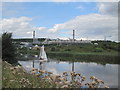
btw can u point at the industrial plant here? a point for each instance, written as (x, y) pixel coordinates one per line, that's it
(60, 41)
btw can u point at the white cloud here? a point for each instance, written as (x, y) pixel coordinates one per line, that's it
(56, 27)
(94, 26)
(20, 27)
(16, 25)
(109, 8)
(41, 28)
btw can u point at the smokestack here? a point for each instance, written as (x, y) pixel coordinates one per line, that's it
(104, 37)
(73, 34)
(33, 36)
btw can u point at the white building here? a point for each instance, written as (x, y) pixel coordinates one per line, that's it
(70, 41)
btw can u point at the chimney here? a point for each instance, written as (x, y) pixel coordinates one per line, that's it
(33, 36)
(73, 34)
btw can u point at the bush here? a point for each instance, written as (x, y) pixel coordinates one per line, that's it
(8, 49)
(53, 49)
(98, 50)
(67, 49)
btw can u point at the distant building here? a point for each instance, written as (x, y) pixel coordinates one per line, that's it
(36, 47)
(70, 41)
(25, 44)
(95, 43)
(35, 40)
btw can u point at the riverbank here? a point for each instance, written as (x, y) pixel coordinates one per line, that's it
(100, 58)
(17, 77)
(103, 53)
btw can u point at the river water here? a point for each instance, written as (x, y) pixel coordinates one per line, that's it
(108, 73)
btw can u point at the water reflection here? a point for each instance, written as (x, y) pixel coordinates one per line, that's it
(108, 72)
(40, 66)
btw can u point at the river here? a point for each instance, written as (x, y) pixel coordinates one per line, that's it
(108, 72)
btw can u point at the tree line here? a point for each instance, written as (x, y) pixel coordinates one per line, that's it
(8, 49)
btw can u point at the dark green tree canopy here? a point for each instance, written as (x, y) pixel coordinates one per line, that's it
(8, 49)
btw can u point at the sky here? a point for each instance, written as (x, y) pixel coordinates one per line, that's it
(92, 20)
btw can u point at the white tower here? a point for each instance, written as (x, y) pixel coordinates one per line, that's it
(33, 37)
(35, 40)
(73, 35)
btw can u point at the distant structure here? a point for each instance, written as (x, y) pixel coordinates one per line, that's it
(33, 36)
(104, 37)
(35, 40)
(69, 41)
(73, 35)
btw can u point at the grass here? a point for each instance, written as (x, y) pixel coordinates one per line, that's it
(84, 53)
(73, 49)
(87, 48)
(85, 57)
(17, 77)
(79, 53)
(12, 78)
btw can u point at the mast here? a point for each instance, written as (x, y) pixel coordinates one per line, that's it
(73, 40)
(33, 36)
(33, 63)
(72, 66)
(73, 34)
(104, 37)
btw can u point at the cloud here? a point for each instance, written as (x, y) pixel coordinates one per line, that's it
(41, 28)
(108, 8)
(19, 26)
(22, 27)
(94, 26)
(56, 27)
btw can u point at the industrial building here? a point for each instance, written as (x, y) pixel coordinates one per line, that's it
(60, 41)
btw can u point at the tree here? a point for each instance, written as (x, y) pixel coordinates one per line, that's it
(8, 48)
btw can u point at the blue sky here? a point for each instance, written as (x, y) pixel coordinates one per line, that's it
(57, 19)
(48, 13)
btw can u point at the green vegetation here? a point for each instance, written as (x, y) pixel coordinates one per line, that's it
(17, 77)
(8, 48)
(85, 57)
(27, 40)
(102, 47)
(104, 52)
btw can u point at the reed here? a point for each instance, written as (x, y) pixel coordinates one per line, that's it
(85, 57)
(45, 79)
(17, 77)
